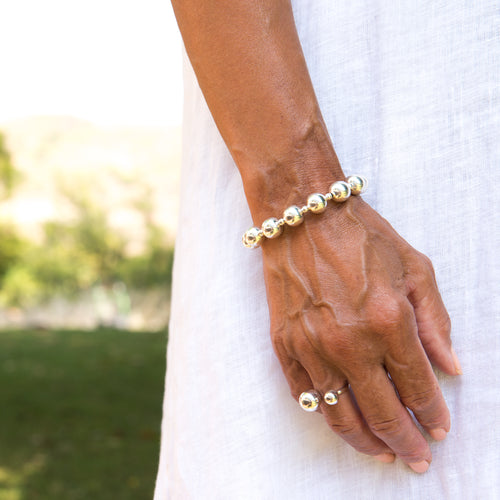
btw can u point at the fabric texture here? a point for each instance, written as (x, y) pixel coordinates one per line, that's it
(410, 93)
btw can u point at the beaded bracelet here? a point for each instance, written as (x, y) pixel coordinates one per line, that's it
(316, 203)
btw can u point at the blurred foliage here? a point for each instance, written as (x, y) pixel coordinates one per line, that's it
(78, 254)
(11, 248)
(9, 176)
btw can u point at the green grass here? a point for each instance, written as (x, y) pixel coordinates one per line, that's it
(80, 414)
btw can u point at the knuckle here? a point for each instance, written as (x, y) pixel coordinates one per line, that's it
(353, 435)
(426, 263)
(387, 426)
(342, 347)
(431, 344)
(446, 327)
(293, 341)
(278, 348)
(297, 387)
(422, 271)
(422, 400)
(288, 344)
(281, 351)
(388, 315)
(352, 432)
(344, 426)
(278, 340)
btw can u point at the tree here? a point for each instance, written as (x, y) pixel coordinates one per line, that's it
(8, 173)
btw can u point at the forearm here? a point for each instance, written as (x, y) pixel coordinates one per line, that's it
(251, 69)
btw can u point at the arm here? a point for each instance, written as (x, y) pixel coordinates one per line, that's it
(348, 297)
(250, 67)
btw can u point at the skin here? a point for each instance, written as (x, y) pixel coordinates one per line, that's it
(349, 299)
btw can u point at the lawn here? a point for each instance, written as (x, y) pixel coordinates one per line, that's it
(80, 414)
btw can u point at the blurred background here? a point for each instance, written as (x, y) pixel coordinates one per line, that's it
(90, 139)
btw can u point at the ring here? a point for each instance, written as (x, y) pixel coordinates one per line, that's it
(309, 400)
(332, 397)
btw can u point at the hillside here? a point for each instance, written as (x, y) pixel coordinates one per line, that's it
(115, 167)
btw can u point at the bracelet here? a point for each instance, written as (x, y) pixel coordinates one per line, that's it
(316, 203)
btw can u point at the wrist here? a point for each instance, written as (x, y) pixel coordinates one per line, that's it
(317, 203)
(287, 172)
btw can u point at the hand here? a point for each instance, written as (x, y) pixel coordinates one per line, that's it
(351, 301)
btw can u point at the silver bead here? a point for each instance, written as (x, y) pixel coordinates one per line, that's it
(271, 228)
(358, 184)
(253, 237)
(293, 216)
(309, 401)
(340, 191)
(316, 203)
(331, 398)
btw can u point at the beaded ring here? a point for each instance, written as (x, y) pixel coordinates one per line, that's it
(339, 192)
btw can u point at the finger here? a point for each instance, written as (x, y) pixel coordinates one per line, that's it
(344, 418)
(389, 420)
(417, 385)
(433, 321)
(297, 378)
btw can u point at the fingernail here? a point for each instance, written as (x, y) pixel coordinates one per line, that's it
(386, 458)
(420, 466)
(438, 434)
(454, 356)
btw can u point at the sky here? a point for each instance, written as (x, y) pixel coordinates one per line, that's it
(112, 62)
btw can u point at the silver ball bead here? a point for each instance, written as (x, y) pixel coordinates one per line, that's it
(340, 191)
(253, 237)
(293, 216)
(358, 184)
(316, 203)
(271, 228)
(331, 398)
(309, 401)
